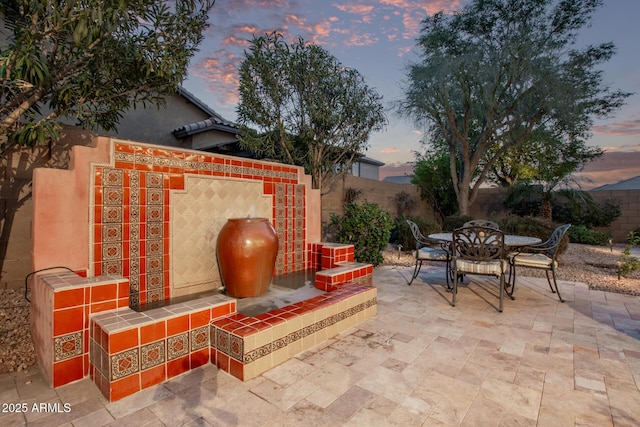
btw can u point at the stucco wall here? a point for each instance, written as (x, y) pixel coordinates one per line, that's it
(16, 204)
(379, 192)
(629, 205)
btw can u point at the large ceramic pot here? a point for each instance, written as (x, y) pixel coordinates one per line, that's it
(247, 250)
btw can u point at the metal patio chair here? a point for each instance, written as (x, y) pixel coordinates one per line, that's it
(542, 256)
(479, 251)
(429, 250)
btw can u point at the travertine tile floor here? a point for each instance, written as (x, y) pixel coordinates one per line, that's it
(419, 362)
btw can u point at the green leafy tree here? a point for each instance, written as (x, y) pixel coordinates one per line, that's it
(91, 60)
(431, 173)
(500, 73)
(547, 162)
(308, 108)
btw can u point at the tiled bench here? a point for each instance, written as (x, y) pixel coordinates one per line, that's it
(83, 326)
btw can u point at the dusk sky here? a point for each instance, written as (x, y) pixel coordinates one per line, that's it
(377, 37)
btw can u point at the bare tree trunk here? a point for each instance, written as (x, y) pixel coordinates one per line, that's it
(463, 200)
(546, 210)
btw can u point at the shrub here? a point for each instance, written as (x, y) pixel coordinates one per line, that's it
(532, 226)
(455, 221)
(402, 235)
(629, 263)
(587, 236)
(581, 209)
(405, 203)
(367, 227)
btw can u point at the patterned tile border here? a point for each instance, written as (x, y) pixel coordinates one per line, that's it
(67, 346)
(152, 355)
(124, 364)
(278, 344)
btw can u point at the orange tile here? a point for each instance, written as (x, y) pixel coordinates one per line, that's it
(68, 320)
(97, 252)
(236, 369)
(153, 376)
(86, 364)
(68, 298)
(199, 358)
(102, 293)
(124, 340)
(68, 370)
(103, 306)
(177, 325)
(123, 288)
(199, 318)
(123, 148)
(97, 214)
(245, 331)
(97, 176)
(124, 387)
(222, 361)
(123, 165)
(85, 341)
(177, 366)
(219, 311)
(153, 332)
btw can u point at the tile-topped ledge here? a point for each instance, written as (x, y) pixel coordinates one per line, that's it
(61, 305)
(83, 326)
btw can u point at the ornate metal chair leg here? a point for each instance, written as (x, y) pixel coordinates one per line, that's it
(502, 284)
(416, 270)
(555, 283)
(511, 282)
(454, 291)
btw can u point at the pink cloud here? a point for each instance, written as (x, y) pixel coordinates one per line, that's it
(621, 148)
(389, 150)
(627, 128)
(220, 70)
(356, 9)
(351, 23)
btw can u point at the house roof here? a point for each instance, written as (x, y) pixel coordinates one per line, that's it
(214, 122)
(370, 161)
(399, 179)
(627, 184)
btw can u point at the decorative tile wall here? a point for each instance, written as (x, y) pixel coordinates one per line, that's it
(139, 203)
(133, 212)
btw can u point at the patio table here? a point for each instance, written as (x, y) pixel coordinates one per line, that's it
(510, 240)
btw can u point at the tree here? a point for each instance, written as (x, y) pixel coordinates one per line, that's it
(308, 108)
(91, 60)
(546, 162)
(500, 72)
(431, 173)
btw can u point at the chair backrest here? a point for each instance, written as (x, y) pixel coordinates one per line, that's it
(478, 243)
(417, 235)
(555, 239)
(481, 223)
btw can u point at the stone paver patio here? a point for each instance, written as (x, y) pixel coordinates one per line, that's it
(419, 362)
